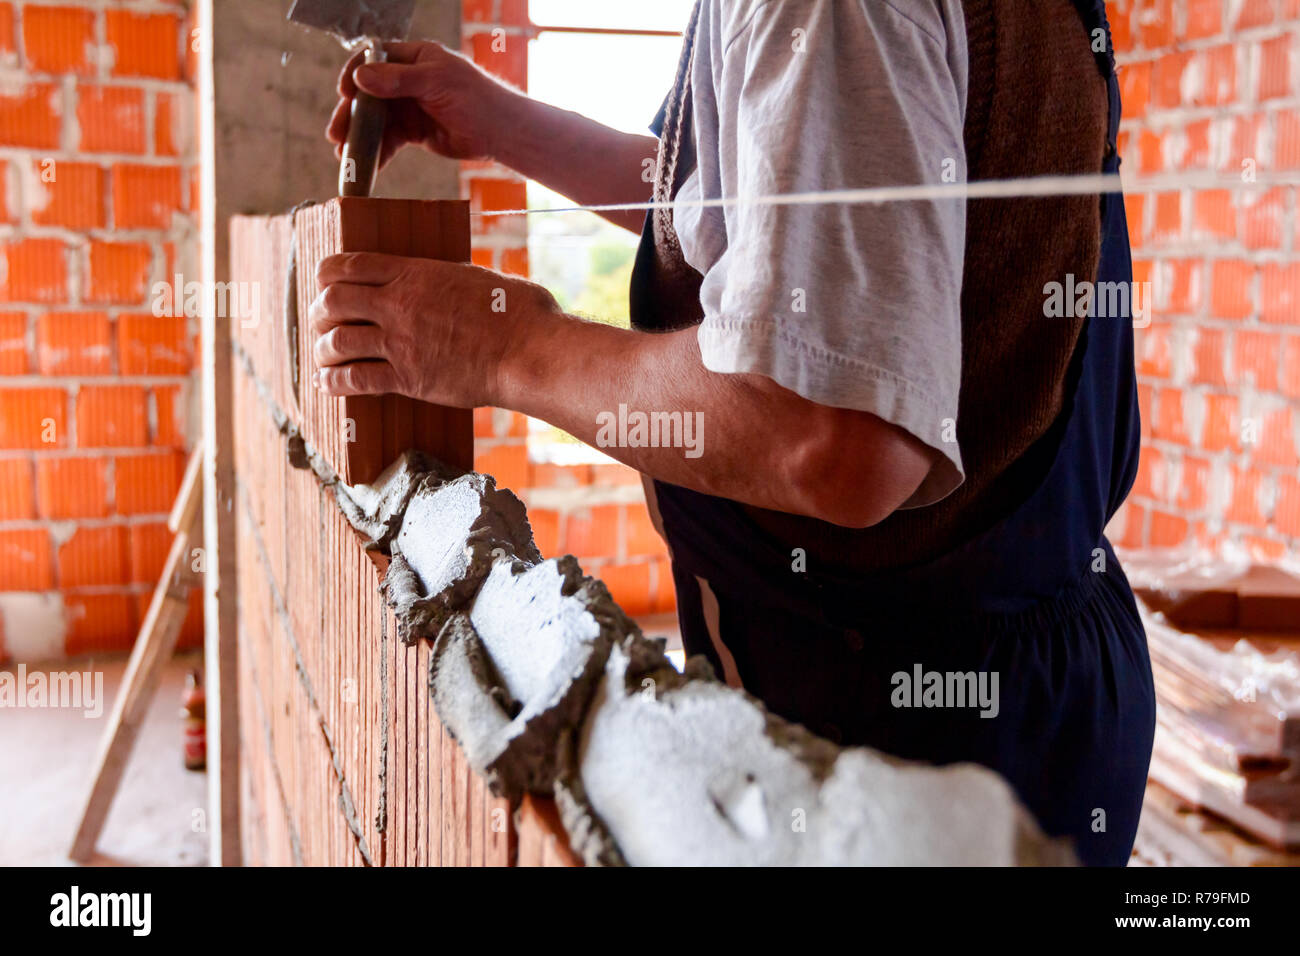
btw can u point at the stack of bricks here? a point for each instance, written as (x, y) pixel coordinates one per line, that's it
(1213, 87)
(594, 512)
(98, 169)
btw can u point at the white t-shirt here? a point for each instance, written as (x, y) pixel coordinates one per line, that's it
(849, 305)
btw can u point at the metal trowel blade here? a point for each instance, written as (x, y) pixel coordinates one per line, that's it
(353, 20)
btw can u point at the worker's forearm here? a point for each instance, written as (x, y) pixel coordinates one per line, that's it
(590, 163)
(736, 441)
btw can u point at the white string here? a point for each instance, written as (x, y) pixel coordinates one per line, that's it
(1080, 185)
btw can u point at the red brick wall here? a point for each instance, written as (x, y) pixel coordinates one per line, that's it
(97, 179)
(594, 512)
(1209, 85)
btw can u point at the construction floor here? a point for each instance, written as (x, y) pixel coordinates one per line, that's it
(46, 756)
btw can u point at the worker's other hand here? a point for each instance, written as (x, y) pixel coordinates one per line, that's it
(437, 99)
(435, 331)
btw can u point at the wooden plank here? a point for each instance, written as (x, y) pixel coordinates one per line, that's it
(153, 648)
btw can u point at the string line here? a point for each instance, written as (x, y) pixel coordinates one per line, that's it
(1027, 187)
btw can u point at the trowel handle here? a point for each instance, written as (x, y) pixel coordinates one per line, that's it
(365, 141)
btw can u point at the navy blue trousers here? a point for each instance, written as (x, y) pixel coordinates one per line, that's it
(1076, 705)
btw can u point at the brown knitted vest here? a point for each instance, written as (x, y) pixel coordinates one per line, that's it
(1037, 105)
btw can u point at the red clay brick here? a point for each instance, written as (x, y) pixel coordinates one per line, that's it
(99, 622)
(144, 44)
(592, 532)
(74, 343)
(1208, 356)
(545, 523)
(629, 585)
(25, 563)
(1167, 79)
(72, 487)
(68, 194)
(7, 40)
(508, 464)
(665, 588)
(118, 272)
(33, 418)
(1153, 355)
(13, 343)
(1135, 88)
(1218, 76)
(1221, 424)
(1169, 218)
(168, 123)
(153, 345)
(34, 270)
(1262, 217)
(504, 56)
(111, 119)
(1154, 23)
(491, 195)
(642, 538)
(1203, 19)
(145, 197)
(1231, 289)
(477, 11)
(1275, 67)
(1193, 492)
(93, 557)
(17, 497)
(1244, 504)
(147, 484)
(1279, 293)
(1214, 216)
(170, 416)
(1170, 422)
(1291, 367)
(59, 39)
(1257, 358)
(1276, 444)
(1253, 13)
(1287, 151)
(1167, 530)
(514, 262)
(111, 416)
(149, 544)
(31, 117)
(1287, 513)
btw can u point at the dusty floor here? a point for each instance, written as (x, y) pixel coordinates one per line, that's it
(46, 757)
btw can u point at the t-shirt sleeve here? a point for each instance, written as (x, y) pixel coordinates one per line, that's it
(849, 305)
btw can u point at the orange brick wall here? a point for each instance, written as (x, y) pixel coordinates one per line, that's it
(592, 512)
(97, 179)
(1209, 85)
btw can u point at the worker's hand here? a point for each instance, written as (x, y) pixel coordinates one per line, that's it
(435, 331)
(437, 99)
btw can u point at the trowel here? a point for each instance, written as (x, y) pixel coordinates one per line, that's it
(357, 24)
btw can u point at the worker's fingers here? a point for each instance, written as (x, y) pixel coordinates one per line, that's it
(337, 131)
(358, 378)
(341, 303)
(408, 51)
(347, 86)
(399, 80)
(349, 343)
(360, 268)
